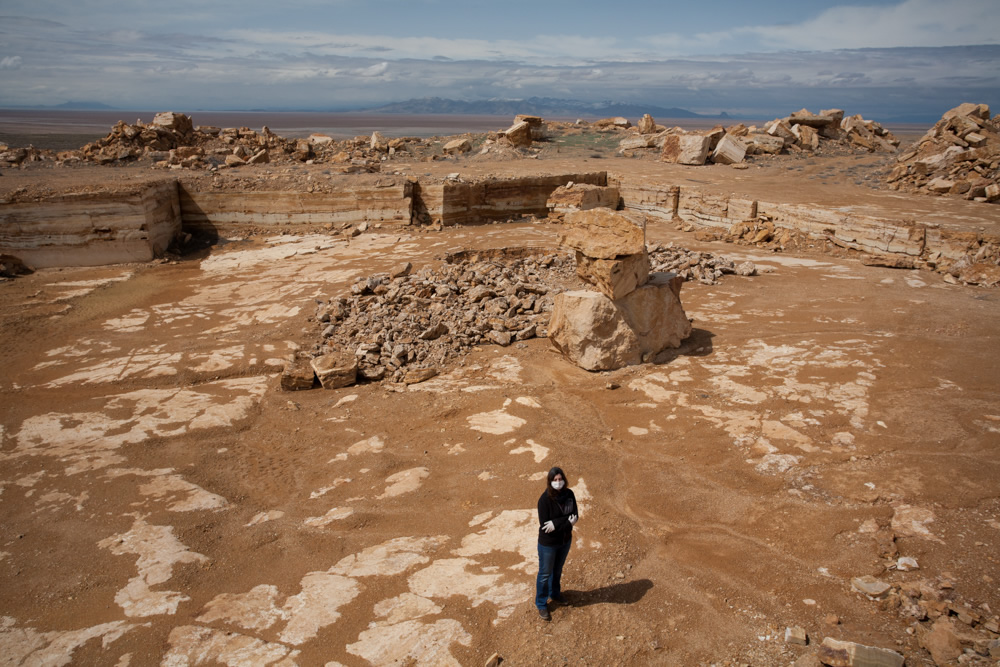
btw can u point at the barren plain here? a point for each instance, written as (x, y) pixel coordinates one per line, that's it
(164, 502)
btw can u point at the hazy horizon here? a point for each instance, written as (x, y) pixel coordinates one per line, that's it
(879, 58)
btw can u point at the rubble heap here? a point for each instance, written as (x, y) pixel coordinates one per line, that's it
(633, 315)
(959, 156)
(800, 131)
(403, 327)
(172, 140)
(399, 321)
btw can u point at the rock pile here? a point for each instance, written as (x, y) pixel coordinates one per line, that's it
(402, 327)
(959, 156)
(633, 315)
(397, 322)
(172, 140)
(12, 157)
(800, 131)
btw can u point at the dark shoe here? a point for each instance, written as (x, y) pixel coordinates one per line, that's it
(544, 613)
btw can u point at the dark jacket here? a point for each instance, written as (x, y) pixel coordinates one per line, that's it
(556, 510)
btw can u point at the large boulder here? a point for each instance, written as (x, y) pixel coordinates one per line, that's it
(591, 332)
(597, 333)
(614, 278)
(690, 149)
(335, 370)
(654, 312)
(601, 233)
(646, 124)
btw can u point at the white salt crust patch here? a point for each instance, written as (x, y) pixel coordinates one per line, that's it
(191, 645)
(757, 373)
(411, 643)
(158, 552)
(186, 496)
(319, 493)
(89, 440)
(538, 452)
(372, 445)
(406, 481)
(497, 422)
(335, 514)
(405, 607)
(264, 517)
(27, 646)
(503, 371)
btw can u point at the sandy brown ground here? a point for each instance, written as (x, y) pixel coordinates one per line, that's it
(163, 502)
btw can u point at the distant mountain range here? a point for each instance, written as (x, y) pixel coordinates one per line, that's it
(541, 106)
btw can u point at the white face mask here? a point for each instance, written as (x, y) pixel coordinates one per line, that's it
(558, 484)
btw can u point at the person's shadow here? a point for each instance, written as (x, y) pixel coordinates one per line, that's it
(628, 592)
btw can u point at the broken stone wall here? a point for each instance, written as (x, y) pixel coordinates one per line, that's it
(92, 229)
(222, 212)
(461, 203)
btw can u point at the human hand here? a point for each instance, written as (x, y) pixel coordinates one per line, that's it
(573, 519)
(548, 526)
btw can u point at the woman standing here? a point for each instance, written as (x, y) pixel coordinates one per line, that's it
(557, 513)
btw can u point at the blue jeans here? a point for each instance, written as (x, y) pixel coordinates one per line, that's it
(550, 565)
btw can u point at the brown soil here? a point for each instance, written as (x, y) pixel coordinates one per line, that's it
(725, 488)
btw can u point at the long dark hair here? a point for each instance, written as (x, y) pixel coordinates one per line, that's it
(551, 476)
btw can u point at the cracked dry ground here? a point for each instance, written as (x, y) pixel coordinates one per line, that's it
(163, 502)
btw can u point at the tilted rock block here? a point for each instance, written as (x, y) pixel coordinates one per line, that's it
(729, 151)
(597, 333)
(646, 124)
(614, 278)
(601, 233)
(519, 134)
(691, 149)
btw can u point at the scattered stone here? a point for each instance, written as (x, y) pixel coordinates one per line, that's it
(831, 619)
(942, 642)
(400, 270)
(335, 370)
(838, 653)
(907, 564)
(796, 635)
(889, 261)
(418, 375)
(298, 375)
(646, 124)
(746, 269)
(870, 586)
(457, 146)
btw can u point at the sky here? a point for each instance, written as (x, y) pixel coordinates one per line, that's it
(881, 58)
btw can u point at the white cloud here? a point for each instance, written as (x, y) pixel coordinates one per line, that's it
(10, 62)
